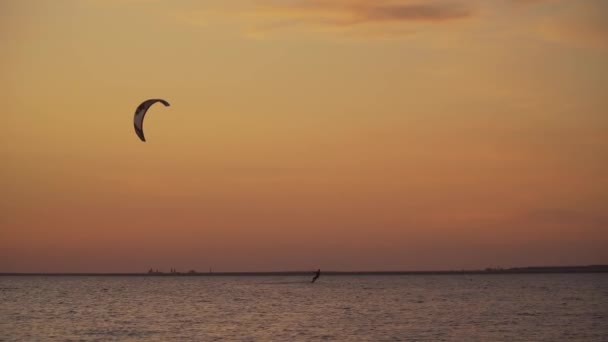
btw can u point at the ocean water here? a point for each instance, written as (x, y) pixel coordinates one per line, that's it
(532, 307)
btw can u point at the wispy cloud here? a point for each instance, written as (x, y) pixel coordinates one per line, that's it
(340, 12)
(565, 217)
(345, 16)
(580, 23)
(527, 2)
(569, 22)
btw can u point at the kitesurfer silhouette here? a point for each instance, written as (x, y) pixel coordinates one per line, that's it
(316, 276)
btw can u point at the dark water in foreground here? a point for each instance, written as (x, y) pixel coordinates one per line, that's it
(532, 307)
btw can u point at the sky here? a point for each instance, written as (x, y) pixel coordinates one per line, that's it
(303, 134)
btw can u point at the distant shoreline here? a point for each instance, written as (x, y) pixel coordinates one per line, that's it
(489, 271)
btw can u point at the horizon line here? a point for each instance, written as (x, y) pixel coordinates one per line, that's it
(599, 268)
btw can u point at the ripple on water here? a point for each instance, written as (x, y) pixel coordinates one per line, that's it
(345, 308)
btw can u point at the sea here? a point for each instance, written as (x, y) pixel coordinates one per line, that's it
(499, 307)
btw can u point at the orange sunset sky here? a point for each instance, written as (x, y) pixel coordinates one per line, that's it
(303, 134)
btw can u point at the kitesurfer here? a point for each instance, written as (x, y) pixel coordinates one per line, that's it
(317, 274)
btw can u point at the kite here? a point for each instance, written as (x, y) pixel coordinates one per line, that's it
(140, 113)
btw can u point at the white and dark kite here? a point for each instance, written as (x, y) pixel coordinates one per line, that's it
(140, 113)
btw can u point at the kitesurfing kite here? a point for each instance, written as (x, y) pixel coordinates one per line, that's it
(140, 113)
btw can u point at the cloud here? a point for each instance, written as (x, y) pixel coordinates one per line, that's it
(340, 12)
(412, 12)
(562, 216)
(581, 23)
(527, 2)
(350, 17)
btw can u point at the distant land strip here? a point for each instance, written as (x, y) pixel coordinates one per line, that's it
(487, 271)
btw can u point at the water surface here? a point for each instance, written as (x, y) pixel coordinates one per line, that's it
(529, 307)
